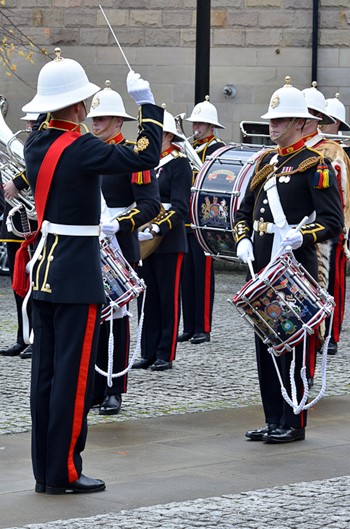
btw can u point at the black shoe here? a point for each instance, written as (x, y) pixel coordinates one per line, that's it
(200, 337)
(285, 435)
(111, 405)
(184, 337)
(161, 365)
(40, 487)
(332, 348)
(258, 435)
(15, 350)
(27, 352)
(83, 485)
(142, 363)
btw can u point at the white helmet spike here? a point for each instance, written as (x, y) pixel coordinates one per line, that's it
(108, 102)
(61, 83)
(336, 109)
(315, 100)
(205, 112)
(288, 102)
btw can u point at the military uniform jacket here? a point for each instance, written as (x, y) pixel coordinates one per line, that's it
(301, 192)
(174, 181)
(69, 270)
(121, 192)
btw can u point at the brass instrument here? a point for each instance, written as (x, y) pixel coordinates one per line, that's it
(186, 147)
(149, 246)
(261, 124)
(12, 162)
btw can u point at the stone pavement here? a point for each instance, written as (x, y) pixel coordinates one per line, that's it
(175, 456)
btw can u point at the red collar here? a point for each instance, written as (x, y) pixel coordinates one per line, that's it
(169, 150)
(306, 138)
(116, 139)
(204, 140)
(61, 124)
(283, 151)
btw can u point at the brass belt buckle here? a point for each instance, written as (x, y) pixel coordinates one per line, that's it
(262, 227)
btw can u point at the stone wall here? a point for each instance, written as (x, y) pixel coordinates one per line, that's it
(254, 44)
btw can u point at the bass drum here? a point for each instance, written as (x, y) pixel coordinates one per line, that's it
(216, 195)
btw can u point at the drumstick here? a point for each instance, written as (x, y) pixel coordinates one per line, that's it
(115, 38)
(251, 269)
(301, 223)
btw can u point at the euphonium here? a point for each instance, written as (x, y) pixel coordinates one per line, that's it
(12, 163)
(186, 147)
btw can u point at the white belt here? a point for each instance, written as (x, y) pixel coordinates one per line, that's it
(58, 229)
(117, 212)
(73, 230)
(264, 227)
(166, 205)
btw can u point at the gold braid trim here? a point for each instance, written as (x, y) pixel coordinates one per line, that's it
(262, 175)
(310, 162)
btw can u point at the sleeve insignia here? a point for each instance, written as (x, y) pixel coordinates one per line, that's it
(141, 144)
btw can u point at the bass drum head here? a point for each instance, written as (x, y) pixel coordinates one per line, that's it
(216, 195)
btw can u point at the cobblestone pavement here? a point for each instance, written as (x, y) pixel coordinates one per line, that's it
(215, 375)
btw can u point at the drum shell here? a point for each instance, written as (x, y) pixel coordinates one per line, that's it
(282, 302)
(216, 195)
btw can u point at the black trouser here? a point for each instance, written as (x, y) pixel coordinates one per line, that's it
(12, 248)
(197, 288)
(161, 273)
(63, 363)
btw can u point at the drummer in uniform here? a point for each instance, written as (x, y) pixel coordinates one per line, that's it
(63, 169)
(290, 183)
(333, 255)
(197, 279)
(134, 199)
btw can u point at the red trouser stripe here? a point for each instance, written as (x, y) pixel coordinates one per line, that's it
(176, 305)
(81, 389)
(339, 289)
(207, 292)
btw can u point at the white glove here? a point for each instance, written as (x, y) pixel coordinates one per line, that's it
(244, 250)
(110, 228)
(145, 236)
(293, 239)
(139, 89)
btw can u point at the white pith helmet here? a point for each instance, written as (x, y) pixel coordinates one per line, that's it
(169, 125)
(288, 102)
(61, 83)
(205, 112)
(315, 100)
(108, 102)
(336, 109)
(30, 116)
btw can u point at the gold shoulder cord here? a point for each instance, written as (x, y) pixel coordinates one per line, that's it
(263, 174)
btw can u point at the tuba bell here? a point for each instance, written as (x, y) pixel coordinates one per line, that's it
(12, 162)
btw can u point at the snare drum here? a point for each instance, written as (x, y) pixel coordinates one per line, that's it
(282, 302)
(121, 282)
(217, 194)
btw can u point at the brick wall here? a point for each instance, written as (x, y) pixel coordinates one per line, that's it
(254, 44)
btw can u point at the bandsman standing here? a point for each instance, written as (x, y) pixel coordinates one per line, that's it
(197, 280)
(289, 183)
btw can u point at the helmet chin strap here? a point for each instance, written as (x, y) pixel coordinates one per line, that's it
(108, 126)
(202, 135)
(281, 134)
